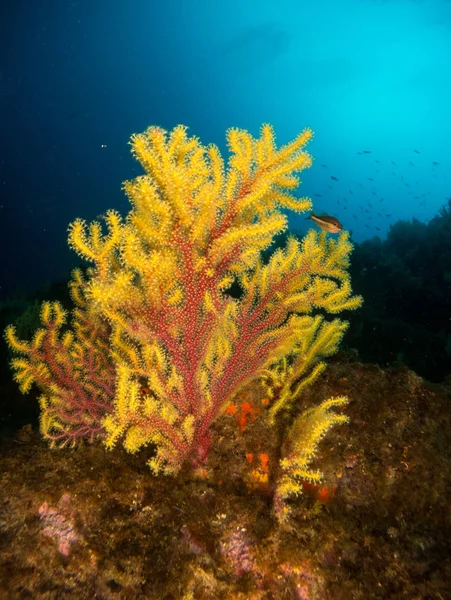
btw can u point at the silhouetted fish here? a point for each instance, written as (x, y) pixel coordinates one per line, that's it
(366, 151)
(334, 178)
(416, 151)
(317, 195)
(325, 166)
(436, 164)
(393, 163)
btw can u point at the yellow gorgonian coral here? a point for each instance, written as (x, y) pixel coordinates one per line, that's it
(181, 344)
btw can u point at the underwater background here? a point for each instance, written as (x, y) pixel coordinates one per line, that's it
(372, 79)
(78, 78)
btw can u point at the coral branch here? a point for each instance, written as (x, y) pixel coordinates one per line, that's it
(72, 370)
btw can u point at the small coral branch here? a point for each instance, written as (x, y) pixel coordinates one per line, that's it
(299, 450)
(72, 369)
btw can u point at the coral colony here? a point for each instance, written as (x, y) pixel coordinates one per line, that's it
(157, 347)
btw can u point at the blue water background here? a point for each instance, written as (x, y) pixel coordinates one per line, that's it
(77, 78)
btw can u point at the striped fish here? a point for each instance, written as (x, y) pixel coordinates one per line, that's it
(330, 224)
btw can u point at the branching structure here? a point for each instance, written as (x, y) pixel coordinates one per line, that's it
(180, 345)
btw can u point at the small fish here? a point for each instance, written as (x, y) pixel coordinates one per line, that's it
(370, 179)
(330, 224)
(325, 166)
(377, 161)
(359, 153)
(366, 151)
(393, 163)
(436, 164)
(416, 152)
(334, 178)
(411, 163)
(317, 195)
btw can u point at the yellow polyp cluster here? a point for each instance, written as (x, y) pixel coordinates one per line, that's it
(30, 368)
(301, 445)
(257, 479)
(89, 242)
